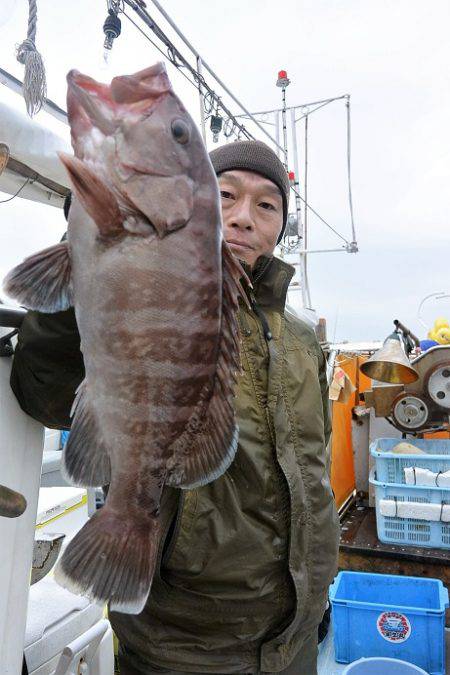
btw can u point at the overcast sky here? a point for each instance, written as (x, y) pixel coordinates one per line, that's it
(392, 57)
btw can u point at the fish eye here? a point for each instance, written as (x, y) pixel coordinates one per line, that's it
(180, 131)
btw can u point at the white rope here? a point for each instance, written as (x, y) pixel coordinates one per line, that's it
(34, 82)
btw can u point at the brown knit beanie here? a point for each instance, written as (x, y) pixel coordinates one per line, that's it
(258, 157)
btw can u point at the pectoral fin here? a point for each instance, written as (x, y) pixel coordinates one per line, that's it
(96, 197)
(42, 282)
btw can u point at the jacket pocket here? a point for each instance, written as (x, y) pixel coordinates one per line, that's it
(181, 525)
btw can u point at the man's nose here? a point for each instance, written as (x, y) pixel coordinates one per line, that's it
(241, 216)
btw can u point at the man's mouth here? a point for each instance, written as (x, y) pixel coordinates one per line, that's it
(239, 244)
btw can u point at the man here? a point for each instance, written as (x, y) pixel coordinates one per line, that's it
(245, 562)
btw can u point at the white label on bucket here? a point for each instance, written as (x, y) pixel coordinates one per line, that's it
(393, 626)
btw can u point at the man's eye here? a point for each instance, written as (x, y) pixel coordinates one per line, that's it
(226, 195)
(267, 206)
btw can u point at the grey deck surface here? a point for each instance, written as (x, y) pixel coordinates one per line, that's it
(326, 665)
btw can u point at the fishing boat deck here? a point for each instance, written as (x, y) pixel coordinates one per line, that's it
(361, 550)
(326, 665)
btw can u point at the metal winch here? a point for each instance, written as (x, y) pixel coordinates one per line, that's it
(414, 395)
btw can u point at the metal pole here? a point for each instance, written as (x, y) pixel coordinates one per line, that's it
(200, 92)
(17, 86)
(283, 118)
(299, 106)
(302, 254)
(296, 175)
(306, 182)
(350, 200)
(305, 228)
(277, 132)
(324, 250)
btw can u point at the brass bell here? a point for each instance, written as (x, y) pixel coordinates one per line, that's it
(390, 364)
(4, 156)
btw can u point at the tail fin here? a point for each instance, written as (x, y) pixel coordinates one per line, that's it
(112, 559)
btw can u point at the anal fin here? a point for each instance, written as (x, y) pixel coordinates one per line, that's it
(85, 457)
(208, 446)
(42, 281)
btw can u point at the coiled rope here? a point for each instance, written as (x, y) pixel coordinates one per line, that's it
(34, 82)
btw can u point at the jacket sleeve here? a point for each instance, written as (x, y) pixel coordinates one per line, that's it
(48, 367)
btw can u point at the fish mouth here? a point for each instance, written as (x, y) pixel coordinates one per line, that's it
(95, 105)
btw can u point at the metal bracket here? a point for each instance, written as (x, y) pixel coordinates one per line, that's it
(6, 348)
(352, 247)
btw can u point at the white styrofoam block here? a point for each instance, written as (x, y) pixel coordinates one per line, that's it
(417, 510)
(55, 618)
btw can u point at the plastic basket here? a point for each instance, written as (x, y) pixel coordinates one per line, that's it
(390, 466)
(384, 615)
(411, 531)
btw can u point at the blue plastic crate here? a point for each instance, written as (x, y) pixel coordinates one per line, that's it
(387, 615)
(390, 466)
(411, 531)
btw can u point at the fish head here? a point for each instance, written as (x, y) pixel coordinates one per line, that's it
(140, 140)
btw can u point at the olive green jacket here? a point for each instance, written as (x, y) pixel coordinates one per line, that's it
(245, 562)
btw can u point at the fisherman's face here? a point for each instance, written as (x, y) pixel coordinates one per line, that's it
(252, 211)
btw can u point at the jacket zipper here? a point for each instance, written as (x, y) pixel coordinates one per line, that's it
(174, 524)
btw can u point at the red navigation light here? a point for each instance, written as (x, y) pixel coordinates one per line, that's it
(291, 175)
(283, 79)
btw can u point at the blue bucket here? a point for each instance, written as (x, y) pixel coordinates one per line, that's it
(386, 666)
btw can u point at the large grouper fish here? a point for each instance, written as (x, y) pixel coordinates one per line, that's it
(155, 290)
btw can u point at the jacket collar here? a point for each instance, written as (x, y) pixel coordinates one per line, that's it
(270, 278)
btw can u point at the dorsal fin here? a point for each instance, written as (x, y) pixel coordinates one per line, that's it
(205, 451)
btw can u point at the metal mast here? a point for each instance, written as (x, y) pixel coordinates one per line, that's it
(283, 82)
(302, 283)
(301, 224)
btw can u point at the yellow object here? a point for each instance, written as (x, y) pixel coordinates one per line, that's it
(441, 323)
(443, 336)
(440, 332)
